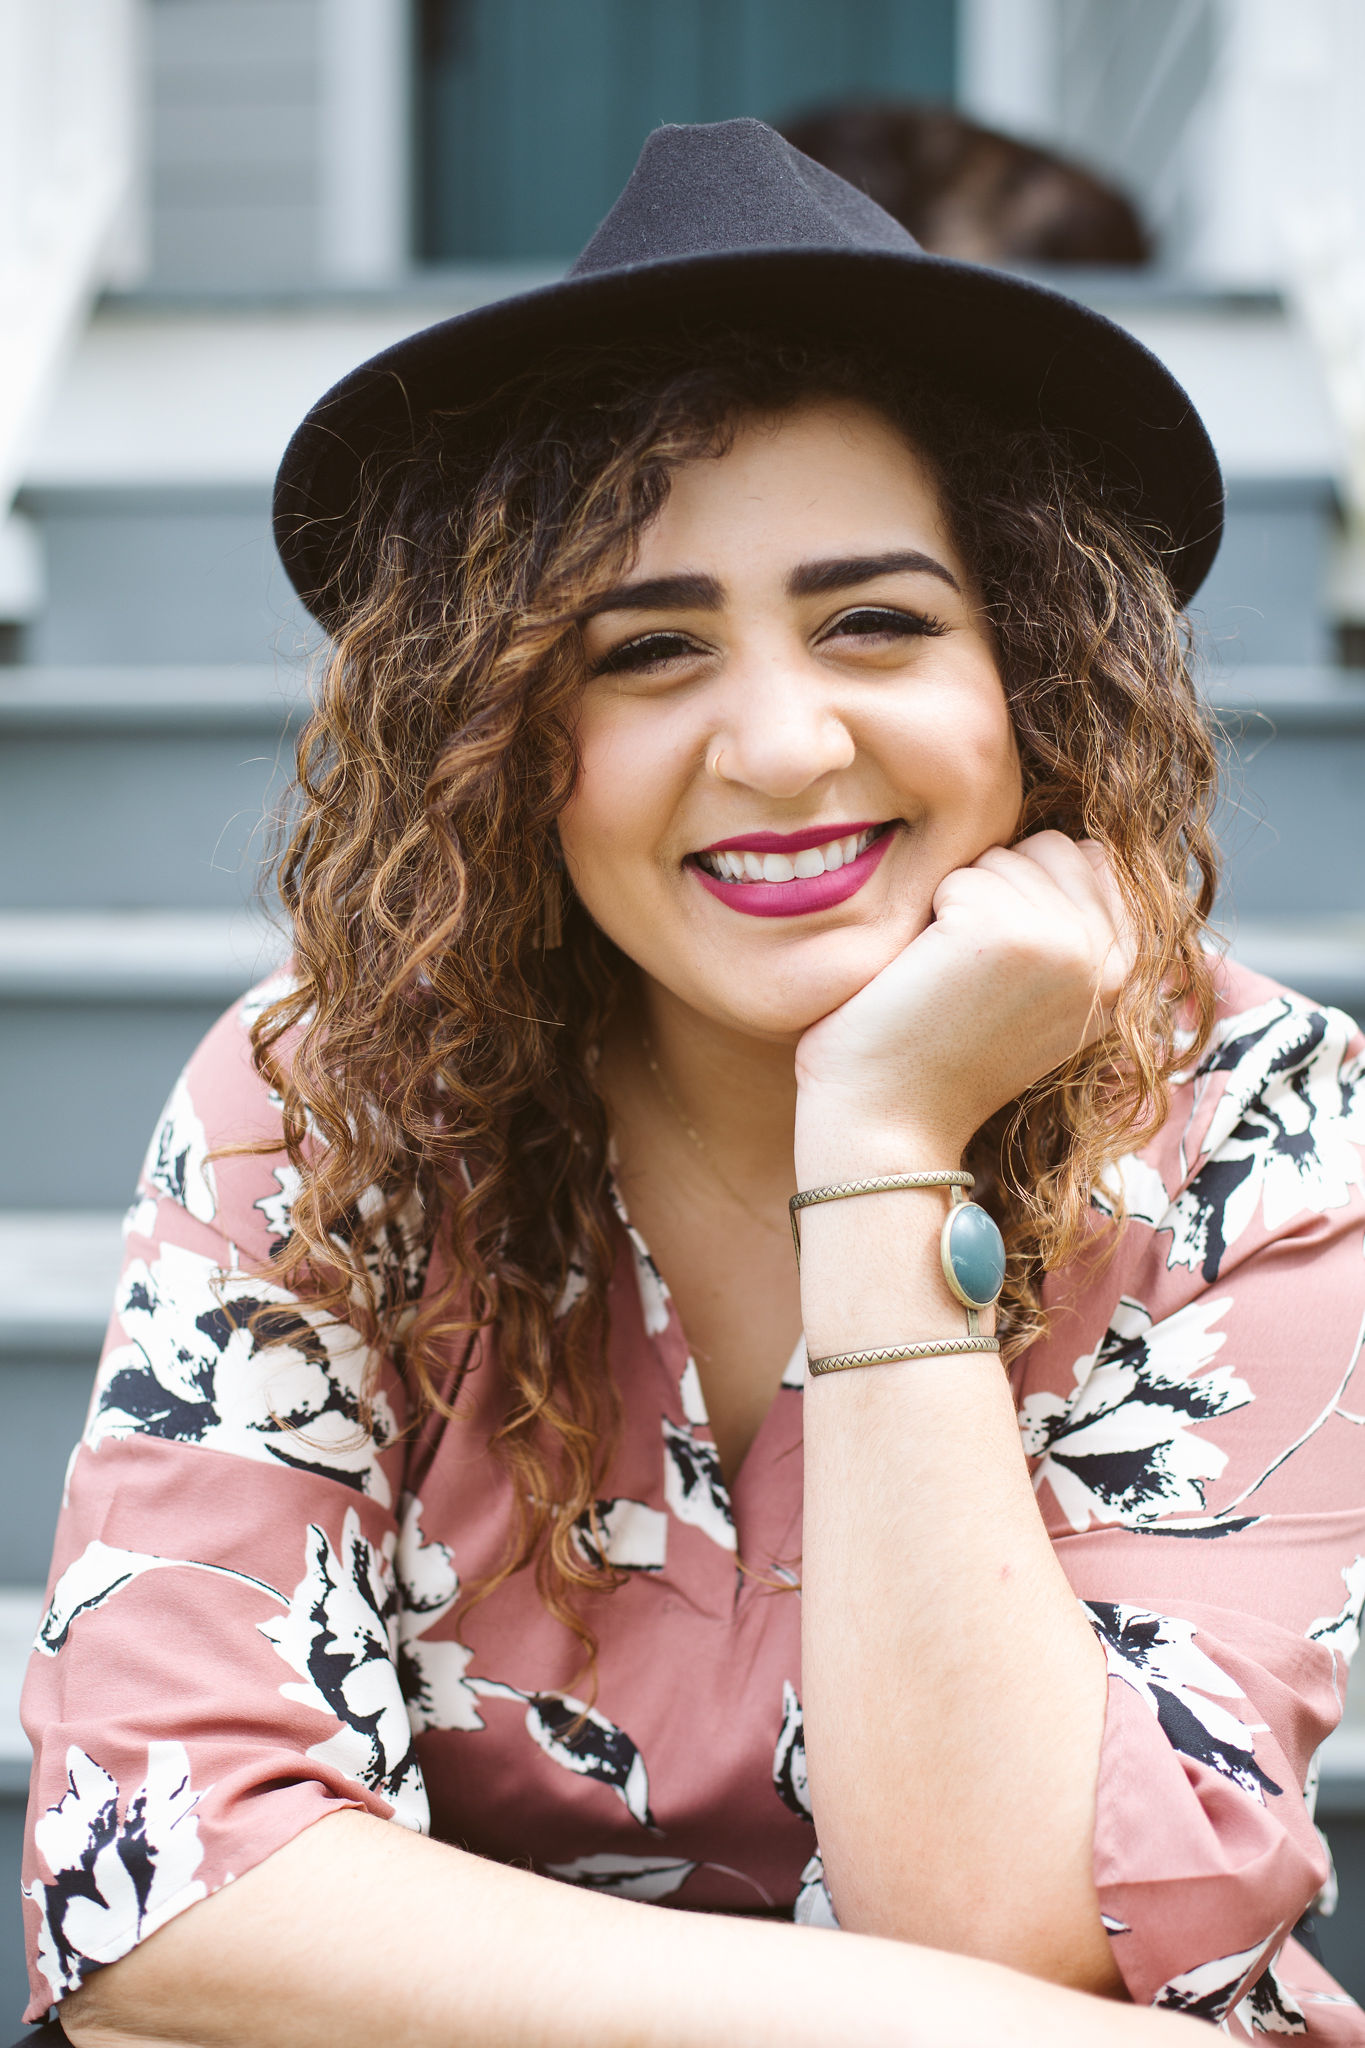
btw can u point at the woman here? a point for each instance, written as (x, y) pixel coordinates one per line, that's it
(748, 767)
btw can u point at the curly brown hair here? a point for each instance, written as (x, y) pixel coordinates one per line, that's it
(434, 1059)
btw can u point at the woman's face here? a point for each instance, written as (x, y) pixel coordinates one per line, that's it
(793, 725)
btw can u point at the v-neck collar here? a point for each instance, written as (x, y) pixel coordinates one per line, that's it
(696, 1489)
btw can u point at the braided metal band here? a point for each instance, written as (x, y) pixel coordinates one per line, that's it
(885, 1183)
(891, 1354)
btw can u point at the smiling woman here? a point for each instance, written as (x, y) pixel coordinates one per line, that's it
(816, 677)
(756, 778)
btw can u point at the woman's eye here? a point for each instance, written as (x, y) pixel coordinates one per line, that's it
(875, 622)
(650, 651)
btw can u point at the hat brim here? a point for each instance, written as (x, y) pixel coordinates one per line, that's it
(1028, 355)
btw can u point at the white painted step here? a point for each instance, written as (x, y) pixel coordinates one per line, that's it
(57, 1278)
(95, 956)
(1295, 699)
(21, 1609)
(1323, 957)
(138, 697)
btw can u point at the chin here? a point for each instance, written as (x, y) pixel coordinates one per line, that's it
(828, 971)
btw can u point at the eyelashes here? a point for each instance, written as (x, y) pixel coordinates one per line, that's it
(653, 651)
(650, 651)
(869, 621)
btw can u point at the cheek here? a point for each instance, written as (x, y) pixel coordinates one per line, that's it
(958, 761)
(620, 798)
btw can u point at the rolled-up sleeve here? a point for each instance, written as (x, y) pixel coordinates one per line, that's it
(217, 1664)
(1196, 1423)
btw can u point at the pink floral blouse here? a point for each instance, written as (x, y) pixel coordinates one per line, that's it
(253, 1611)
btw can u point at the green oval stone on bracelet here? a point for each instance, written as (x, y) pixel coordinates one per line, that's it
(973, 1254)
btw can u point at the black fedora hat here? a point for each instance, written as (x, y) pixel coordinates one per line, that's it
(729, 226)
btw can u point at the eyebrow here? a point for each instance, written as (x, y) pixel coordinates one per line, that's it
(815, 579)
(808, 579)
(661, 594)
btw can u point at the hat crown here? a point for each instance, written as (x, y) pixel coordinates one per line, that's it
(711, 188)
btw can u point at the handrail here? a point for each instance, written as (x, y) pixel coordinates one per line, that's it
(69, 75)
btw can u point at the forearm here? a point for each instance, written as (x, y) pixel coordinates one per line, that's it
(359, 1931)
(954, 1693)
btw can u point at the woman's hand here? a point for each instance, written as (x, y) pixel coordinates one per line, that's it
(1019, 969)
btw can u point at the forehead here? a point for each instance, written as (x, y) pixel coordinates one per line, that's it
(828, 474)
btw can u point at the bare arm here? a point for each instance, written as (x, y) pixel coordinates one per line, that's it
(954, 1693)
(359, 1931)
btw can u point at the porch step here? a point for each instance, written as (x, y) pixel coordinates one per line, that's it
(57, 1277)
(21, 1609)
(1290, 822)
(98, 1013)
(139, 955)
(136, 788)
(135, 696)
(1321, 957)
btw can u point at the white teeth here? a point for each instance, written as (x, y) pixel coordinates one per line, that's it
(740, 866)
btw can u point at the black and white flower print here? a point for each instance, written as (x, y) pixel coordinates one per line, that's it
(1156, 1655)
(278, 1208)
(431, 1674)
(1282, 1139)
(1340, 1632)
(789, 1757)
(395, 1251)
(581, 1740)
(654, 1295)
(101, 1571)
(574, 1288)
(139, 1218)
(177, 1162)
(628, 1535)
(694, 1487)
(814, 1907)
(114, 1877)
(1212, 1989)
(625, 1877)
(199, 1367)
(341, 1635)
(1128, 1445)
(692, 1398)
(1269, 2008)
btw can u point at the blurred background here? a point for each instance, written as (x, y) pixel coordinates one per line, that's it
(211, 209)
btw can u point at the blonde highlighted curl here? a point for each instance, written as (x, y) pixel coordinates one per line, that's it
(435, 1060)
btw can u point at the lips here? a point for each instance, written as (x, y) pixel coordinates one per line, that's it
(765, 874)
(800, 857)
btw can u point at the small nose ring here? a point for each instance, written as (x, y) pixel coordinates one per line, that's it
(713, 765)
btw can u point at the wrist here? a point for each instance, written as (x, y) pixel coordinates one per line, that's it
(840, 1141)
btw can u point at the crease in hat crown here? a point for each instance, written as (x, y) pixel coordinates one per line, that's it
(730, 186)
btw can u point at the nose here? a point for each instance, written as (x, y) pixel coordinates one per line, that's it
(778, 730)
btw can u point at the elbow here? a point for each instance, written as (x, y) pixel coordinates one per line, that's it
(1055, 1934)
(100, 2015)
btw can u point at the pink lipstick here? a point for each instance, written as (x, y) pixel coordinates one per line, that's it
(805, 894)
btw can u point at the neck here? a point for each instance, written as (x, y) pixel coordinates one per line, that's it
(738, 1092)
